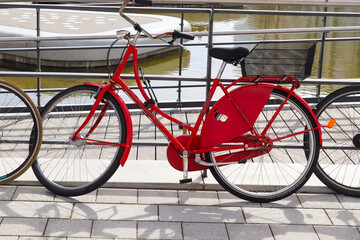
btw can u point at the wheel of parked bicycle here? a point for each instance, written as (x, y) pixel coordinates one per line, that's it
(74, 167)
(20, 132)
(339, 161)
(279, 169)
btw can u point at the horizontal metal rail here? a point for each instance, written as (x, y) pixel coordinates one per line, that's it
(155, 77)
(203, 33)
(324, 3)
(185, 44)
(178, 9)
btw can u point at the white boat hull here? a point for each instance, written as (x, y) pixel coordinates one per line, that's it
(74, 23)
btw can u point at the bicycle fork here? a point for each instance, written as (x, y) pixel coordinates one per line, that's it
(99, 96)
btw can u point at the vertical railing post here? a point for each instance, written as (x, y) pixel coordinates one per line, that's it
(208, 62)
(210, 42)
(38, 64)
(180, 60)
(321, 55)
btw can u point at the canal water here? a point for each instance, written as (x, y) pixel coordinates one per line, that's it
(341, 59)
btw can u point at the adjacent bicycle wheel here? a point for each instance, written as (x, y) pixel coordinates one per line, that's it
(339, 161)
(75, 167)
(281, 170)
(20, 132)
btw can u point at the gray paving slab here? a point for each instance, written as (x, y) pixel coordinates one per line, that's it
(349, 202)
(33, 194)
(285, 232)
(200, 214)
(7, 192)
(286, 216)
(249, 231)
(90, 197)
(117, 196)
(68, 228)
(114, 229)
(115, 211)
(344, 217)
(204, 231)
(198, 198)
(23, 226)
(337, 233)
(35, 209)
(327, 201)
(159, 230)
(290, 202)
(149, 196)
(228, 200)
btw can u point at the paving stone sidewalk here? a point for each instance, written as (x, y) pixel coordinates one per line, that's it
(112, 213)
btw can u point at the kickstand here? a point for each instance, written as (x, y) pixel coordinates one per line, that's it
(186, 178)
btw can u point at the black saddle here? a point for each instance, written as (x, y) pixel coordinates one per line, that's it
(229, 55)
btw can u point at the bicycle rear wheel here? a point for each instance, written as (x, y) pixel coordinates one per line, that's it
(75, 167)
(339, 161)
(20, 132)
(277, 173)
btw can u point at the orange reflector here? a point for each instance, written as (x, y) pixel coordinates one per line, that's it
(331, 123)
(184, 131)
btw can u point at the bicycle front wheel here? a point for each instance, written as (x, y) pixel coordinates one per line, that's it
(277, 173)
(74, 167)
(20, 132)
(339, 161)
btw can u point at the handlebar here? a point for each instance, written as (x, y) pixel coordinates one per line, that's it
(144, 2)
(175, 34)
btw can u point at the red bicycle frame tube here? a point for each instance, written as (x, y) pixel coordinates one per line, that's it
(106, 88)
(149, 111)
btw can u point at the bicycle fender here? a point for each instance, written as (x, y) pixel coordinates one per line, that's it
(128, 120)
(308, 108)
(224, 122)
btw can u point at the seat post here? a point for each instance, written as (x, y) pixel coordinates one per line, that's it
(221, 70)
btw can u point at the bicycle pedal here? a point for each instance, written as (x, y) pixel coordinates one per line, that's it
(185, 180)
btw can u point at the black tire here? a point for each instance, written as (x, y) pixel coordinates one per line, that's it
(289, 164)
(339, 161)
(71, 168)
(20, 132)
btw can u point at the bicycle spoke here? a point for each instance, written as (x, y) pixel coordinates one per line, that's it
(273, 174)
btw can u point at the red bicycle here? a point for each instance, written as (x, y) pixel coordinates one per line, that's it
(260, 140)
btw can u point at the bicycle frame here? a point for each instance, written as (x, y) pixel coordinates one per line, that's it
(149, 107)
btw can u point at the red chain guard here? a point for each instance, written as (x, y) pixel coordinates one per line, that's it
(176, 160)
(224, 122)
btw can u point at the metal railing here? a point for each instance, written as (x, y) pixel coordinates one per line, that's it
(210, 34)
